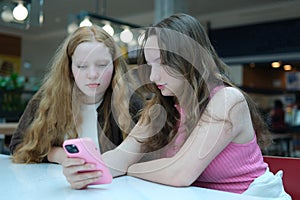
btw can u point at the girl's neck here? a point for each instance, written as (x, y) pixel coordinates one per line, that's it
(92, 100)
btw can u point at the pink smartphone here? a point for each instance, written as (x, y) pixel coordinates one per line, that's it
(86, 149)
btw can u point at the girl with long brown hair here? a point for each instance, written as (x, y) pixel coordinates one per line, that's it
(197, 128)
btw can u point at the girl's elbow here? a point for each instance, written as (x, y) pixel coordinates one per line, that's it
(181, 180)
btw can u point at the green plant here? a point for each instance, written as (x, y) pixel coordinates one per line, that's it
(11, 82)
(11, 88)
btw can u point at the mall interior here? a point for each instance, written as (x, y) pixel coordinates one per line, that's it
(258, 39)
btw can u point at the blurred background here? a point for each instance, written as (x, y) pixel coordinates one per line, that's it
(258, 39)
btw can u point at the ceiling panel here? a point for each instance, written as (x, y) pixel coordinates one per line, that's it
(217, 12)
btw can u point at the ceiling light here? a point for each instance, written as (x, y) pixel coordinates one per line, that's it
(287, 67)
(7, 15)
(122, 32)
(276, 64)
(112, 26)
(109, 29)
(86, 22)
(126, 36)
(20, 12)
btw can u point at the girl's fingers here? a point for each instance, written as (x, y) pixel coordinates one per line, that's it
(83, 183)
(80, 174)
(72, 161)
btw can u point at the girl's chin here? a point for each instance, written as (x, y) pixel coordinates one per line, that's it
(93, 96)
(166, 93)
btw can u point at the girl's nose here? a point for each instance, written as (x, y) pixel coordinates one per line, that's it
(93, 73)
(155, 74)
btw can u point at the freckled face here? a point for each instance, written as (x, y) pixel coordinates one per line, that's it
(92, 68)
(168, 85)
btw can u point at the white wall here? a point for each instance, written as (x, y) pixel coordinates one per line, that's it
(236, 74)
(37, 52)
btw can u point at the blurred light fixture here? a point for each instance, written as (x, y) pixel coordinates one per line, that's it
(276, 64)
(110, 25)
(126, 35)
(287, 67)
(85, 22)
(21, 13)
(107, 27)
(7, 15)
(41, 13)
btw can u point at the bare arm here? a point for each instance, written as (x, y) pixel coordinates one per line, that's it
(117, 160)
(206, 141)
(56, 155)
(126, 154)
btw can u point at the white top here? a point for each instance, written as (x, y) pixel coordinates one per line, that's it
(46, 181)
(90, 122)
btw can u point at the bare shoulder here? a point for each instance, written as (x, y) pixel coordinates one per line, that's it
(229, 95)
(225, 100)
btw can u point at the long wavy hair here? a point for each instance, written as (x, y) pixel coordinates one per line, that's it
(185, 49)
(58, 113)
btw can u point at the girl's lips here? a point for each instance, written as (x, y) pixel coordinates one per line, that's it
(160, 86)
(93, 85)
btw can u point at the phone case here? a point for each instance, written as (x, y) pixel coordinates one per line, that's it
(86, 149)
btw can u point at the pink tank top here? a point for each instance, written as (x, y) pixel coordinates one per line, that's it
(233, 170)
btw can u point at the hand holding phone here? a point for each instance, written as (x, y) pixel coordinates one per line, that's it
(86, 149)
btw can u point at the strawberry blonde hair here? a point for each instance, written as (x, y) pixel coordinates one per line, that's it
(58, 115)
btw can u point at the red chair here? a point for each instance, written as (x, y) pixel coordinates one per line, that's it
(291, 173)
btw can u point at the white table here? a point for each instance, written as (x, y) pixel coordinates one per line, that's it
(46, 181)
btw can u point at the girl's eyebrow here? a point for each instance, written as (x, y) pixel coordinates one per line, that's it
(104, 61)
(79, 62)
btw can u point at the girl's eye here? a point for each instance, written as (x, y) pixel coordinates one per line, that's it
(81, 66)
(102, 65)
